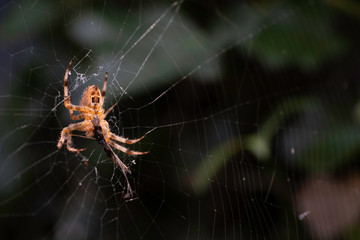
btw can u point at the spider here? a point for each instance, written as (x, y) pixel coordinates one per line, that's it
(94, 124)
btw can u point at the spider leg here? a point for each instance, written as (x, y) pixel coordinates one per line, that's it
(125, 150)
(125, 170)
(117, 160)
(67, 100)
(125, 140)
(66, 90)
(69, 145)
(76, 117)
(123, 167)
(66, 135)
(107, 111)
(104, 87)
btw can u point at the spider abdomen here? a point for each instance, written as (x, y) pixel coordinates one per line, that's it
(99, 136)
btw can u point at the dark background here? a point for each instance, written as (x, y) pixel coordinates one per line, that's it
(251, 109)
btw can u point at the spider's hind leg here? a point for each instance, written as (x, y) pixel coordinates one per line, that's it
(66, 136)
(125, 140)
(125, 150)
(69, 145)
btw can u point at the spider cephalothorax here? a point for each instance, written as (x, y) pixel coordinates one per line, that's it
(92, 97)
(94, 124)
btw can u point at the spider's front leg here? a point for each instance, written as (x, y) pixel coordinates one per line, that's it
(67, 99)
(66, 135)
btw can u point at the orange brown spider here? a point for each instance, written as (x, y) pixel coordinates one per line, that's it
(94, 124)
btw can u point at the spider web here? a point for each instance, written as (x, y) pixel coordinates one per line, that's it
(250, 112)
